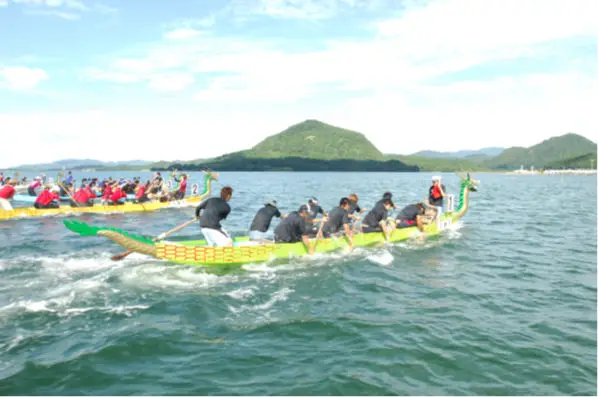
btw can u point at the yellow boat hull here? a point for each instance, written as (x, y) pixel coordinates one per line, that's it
(30, 212)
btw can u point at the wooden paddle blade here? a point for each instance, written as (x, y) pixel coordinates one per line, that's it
(119, 257)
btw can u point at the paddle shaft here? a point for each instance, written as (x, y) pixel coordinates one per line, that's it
(66, 190)
(318, 235)
(160, 237)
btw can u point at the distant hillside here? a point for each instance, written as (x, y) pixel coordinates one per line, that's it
(75, 164)
(546, 152)
(469, 154)
(308, 146)
(585, 161)
(316, 140)
(440, 164)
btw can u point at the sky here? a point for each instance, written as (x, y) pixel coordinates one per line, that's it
(186, 79)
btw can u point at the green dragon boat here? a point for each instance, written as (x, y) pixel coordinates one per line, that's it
(244, 251)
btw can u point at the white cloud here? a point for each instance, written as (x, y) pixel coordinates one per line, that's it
(181, 34)
(295, 9)
(171, 82)
(3, 3)
(65, 9)
(20, 78)
(61, 14)
(385, 83)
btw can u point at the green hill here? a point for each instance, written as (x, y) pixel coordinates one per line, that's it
(427, 164)
(546, 152)
(316, 140)
(585, 161)
(308, 146)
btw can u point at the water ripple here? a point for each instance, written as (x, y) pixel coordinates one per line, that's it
(504, 303)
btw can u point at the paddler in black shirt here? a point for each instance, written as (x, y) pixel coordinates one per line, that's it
(411, 216)
(375, 220)
(214, 210)
(313, 209)
(338, 219)
(295, 228)
(261, 221)
(387, 195)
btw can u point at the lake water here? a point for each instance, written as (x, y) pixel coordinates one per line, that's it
(502, 304)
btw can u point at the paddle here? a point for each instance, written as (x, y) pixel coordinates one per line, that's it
(66, 190)
(162, 236)
(318, 235)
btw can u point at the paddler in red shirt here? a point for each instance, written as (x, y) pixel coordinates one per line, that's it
(180, 193)
(91, 196)
(6, 193)
(140, 196)
(83, 197)
(118, 197)
(47, 199)
(107, 192)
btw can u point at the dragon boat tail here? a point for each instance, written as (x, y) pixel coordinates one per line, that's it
(194, 199)
(244, 251)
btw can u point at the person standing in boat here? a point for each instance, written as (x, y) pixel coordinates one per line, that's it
(339, 219)
(179, 194)
(6, 193)
(261, 221)
(210, 212)
(376, 220)
(69, 178)
(295, 228)
(436, 194)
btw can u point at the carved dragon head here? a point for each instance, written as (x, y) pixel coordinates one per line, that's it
(469, 182)
(211, 175)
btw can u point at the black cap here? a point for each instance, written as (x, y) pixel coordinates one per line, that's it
(303, 208)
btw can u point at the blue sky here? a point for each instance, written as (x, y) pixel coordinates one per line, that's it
(186, 79)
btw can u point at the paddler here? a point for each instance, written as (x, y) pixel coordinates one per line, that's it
(295, 228)
(179, 194)
(118, 197)
(107, 192)
(47, 199)
(411, 216)
(313, 209)
(387, 195)
(354, 208)
(7, 193)
(34, 185)
(83, 197)
(436, 194)
(140, 196)
(339, 219)
(261, 221)
(210, 212)
(376, 220)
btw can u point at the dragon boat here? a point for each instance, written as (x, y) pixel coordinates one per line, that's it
(243, 251)
(194, 199)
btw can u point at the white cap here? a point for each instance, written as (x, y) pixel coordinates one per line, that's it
(435, 178)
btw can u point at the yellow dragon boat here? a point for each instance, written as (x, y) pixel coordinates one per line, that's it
(197, 252)
(32, 212)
